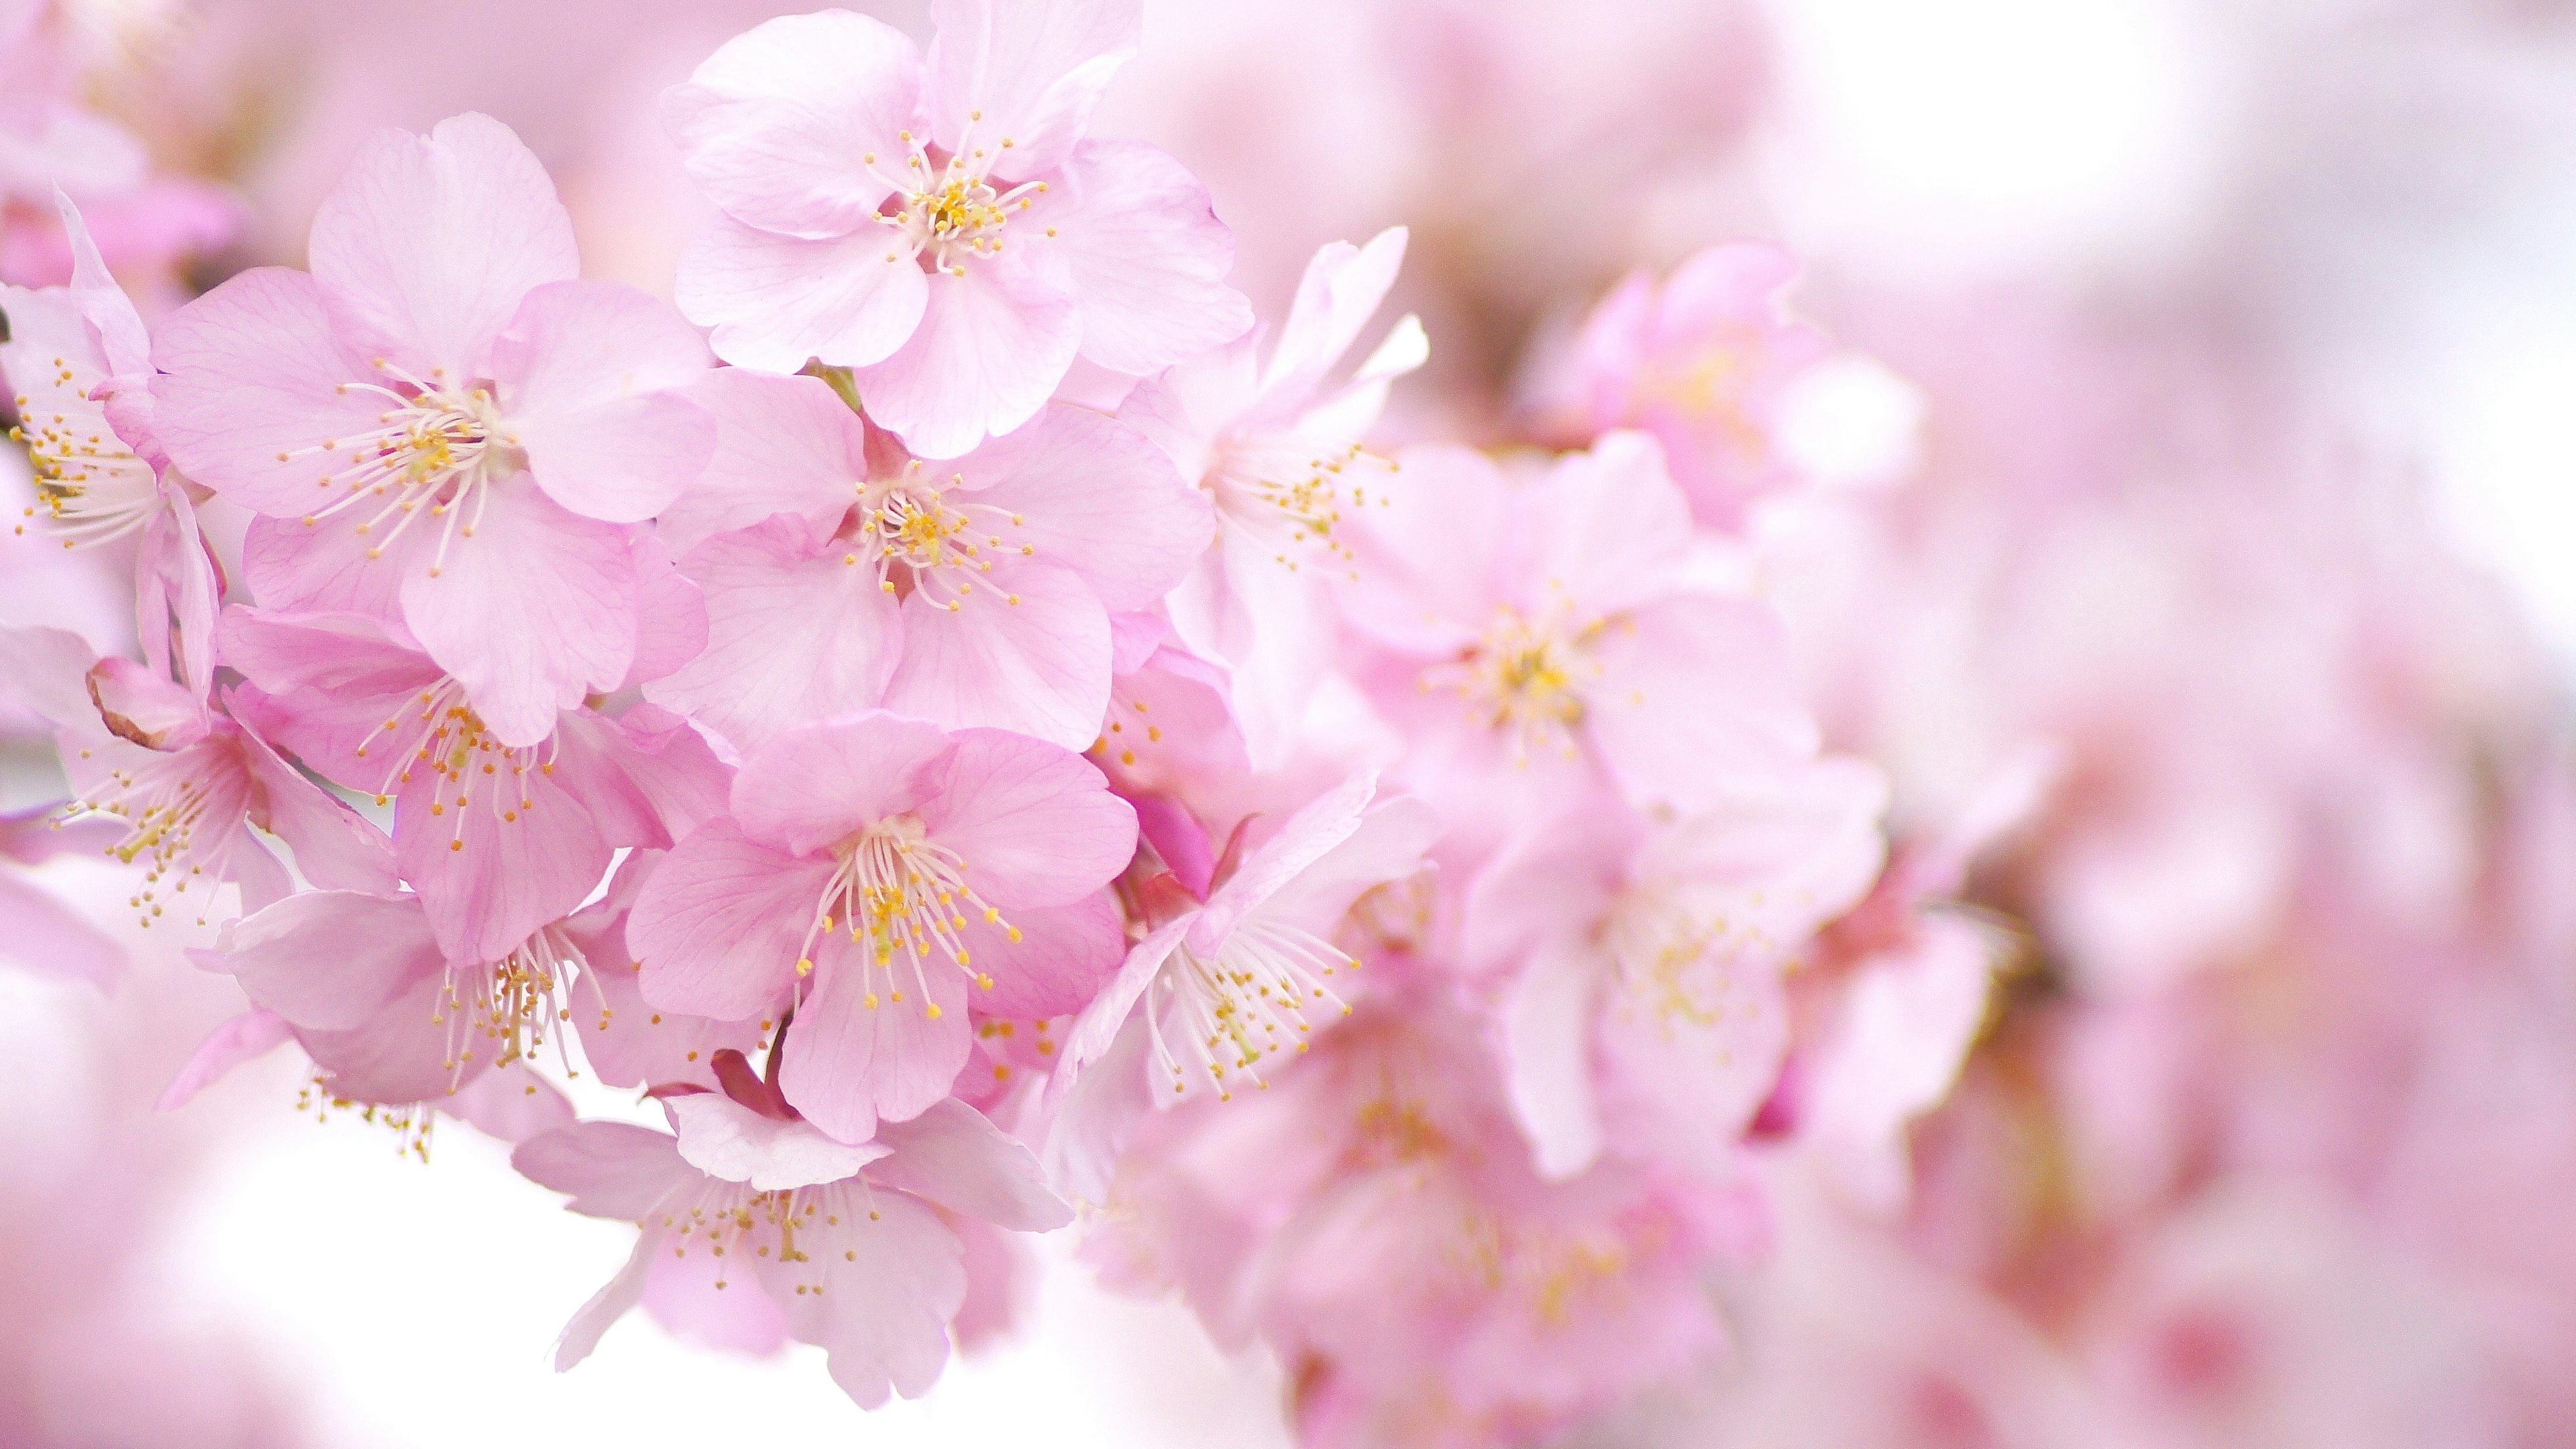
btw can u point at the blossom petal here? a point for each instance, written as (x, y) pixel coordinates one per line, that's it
(1029, 72)
(895, 1283)
(783, 445)
(991, 347)
(721, 923)
(253, 370)
(533, 613)
(777, 302)
(952, 1155)
(1148, 255)
(332, 960)
(1096, 497)
(1547, 1023)
(586, 372)
(1035, 824)
(428, 243)
(793, 636)
(774, 126)
(725, 1139)
(860, 1054)
(1027, 650)
(816, 784)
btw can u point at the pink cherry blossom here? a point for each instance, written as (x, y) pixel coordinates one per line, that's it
(1537, 630)
(975, 592)
(39, 931)
(1232, 988)
(940, 225)
(442, 424)
(390, 1017)
(1375, 1220)
(78, 366)
(498, 839)
(1279, 452)
(872, 870)
(1647, 1012)
(1704, 361)
(187, 783)
(846, 1244)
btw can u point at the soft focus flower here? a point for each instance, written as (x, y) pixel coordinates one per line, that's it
(942, 226)
(845, 1242)
(1276, 444)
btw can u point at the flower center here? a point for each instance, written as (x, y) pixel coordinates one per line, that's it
(904, 900)
(1526, 678)
(1292, 496)
(437, 449)
(440, 732)
(91, 486)
(945, 211)
(921, 538)
(162, 804)
(1233, 1013)
(777, 1230)
(508, 1007)
(1683, 965)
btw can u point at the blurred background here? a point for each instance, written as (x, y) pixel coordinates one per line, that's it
(2211, 426)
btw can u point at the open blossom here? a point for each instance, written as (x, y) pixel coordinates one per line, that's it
(187, 783)
(1276, 442)
(78, 366)
(873, 874)
(972, 592)
(497, 838)
(442, 424)
(847, 1244)
(1235, 976)
(940, 225)
(1547, 627)
(1375, 1220)
(1705, 361)
(392, 1017)
(1647, 1012)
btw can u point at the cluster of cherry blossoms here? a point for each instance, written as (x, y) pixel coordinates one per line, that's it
(1655, 902)
(981, 732)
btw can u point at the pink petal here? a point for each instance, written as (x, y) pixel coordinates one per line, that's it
(611, 1302)
(1035, 824)
(1547, 1024)
(953, 1156)
(1431, 562)
(646, 776)
(1149, 258)
(333, 960)
(721, 923)
(1688, 1054)
(629, 1044)
(428, 243)
(1098, 1027)
(774, 126)
(777, 302)
(1308, 836)
(335, 847)
(251, 370)
(990, 347)
(1035, 69)
(1341, 289)
(47, 671)
(724, 1139)
(1027, 650)
(609, 1169)
(893, 1287)
(508, 877)
(254, 1033)
(1065, 954)
(586, 372)
(46, 936)
(671, 615)
(850, 1064)
(531, 614)
(325, 569)
(812, 786)
(1692, 690)
(1099, 499)
(509, 1104)
(783, 445)
(793, 636)
(680, 1292)
(1611, 525)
